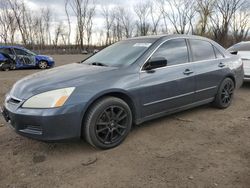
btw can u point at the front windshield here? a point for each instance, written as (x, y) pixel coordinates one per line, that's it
(121, 53)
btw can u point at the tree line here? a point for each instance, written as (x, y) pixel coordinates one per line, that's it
(225, 21)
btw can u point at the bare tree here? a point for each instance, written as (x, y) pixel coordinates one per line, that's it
(18, 8)
(180, 13)
(89, 24)
(68, 20)
(109, 20)
(126, 21)
(46, 15)
(205, 9)
(84, 11)
(6, 23)
(142, 10)
(58, 33)
(117, 28)
(240, 24)
(225, 9)
(118, 23)
(156, 17)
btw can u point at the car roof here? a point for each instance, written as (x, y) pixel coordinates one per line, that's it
(241, 46)
(156, 38)
(162, 38)
(169, 36)
(18, 47)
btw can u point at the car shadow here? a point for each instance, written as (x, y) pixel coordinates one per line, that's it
(80, 145)
(179, 116)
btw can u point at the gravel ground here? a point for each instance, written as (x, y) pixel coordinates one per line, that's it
(202, 147)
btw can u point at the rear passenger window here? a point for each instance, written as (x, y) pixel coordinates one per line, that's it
(175, 51)
(202, 50)
(218, 54)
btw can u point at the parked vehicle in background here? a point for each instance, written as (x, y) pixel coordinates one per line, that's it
(15, 57)
(127, 83)
(85, 52)
(243, 50)
(95, 51)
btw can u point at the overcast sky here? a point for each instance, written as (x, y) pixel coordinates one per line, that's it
(59, 15)
(57, 6)
(58, 12)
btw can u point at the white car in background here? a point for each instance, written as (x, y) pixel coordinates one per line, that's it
(243, 50)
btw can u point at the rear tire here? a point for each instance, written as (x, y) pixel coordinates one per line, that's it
(43, 65)
(107, 123)
(5, 66)
(225, 93)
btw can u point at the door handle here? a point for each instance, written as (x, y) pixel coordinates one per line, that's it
(188, 72)
(221, 65)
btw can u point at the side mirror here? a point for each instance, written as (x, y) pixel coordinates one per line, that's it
(233, 52)
(156, 62)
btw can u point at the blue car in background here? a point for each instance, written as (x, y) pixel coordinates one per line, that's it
(14, 57)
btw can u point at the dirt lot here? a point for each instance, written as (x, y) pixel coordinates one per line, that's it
(203, 147)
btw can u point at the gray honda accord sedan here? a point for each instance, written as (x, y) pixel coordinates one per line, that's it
(127, 83)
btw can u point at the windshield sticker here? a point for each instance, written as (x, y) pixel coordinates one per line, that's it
(142, 45)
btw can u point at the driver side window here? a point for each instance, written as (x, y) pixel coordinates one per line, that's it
(174, 51)
(20, 52)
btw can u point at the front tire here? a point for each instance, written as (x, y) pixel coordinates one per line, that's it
(43, 65)
(225, 93)
(107, 123)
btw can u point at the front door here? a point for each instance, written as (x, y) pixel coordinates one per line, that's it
(170, 87)
(23, 58)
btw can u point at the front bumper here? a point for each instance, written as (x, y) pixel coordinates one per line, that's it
(51, 64)
(45, 124)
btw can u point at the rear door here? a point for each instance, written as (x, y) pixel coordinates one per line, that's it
(23, 58)
(209, 68)
(170, 87)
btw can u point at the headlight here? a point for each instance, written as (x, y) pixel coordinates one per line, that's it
(49, 99)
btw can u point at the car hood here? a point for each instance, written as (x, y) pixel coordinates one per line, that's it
(71, 75)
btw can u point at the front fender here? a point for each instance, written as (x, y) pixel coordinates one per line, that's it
(110, 92)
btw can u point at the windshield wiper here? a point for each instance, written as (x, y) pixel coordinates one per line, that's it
(98, 64)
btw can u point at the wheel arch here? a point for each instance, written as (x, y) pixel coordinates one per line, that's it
(123, 95)
(38, 61)
(231, 76)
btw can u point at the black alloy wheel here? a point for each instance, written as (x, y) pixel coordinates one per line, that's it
(225, 93)
(112, 124)
(107, 123)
